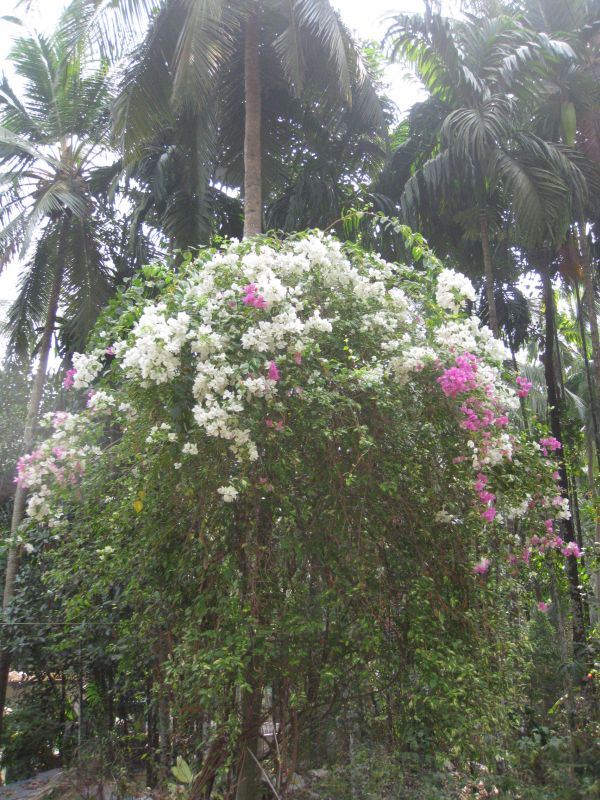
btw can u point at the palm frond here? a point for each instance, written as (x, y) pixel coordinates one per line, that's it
(28, 310)
(319, 18)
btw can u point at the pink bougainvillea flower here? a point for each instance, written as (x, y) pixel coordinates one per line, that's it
(480, 482)
(571, 549)
(524, 385)
(69, 378)
(461, 378)
(110, 351)
(549, 443)
(486, 497)
(273, 372)
(543, 607)
(482, 567)
(489, 513)
(252, 297)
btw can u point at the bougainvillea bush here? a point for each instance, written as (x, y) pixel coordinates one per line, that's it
(301, 466)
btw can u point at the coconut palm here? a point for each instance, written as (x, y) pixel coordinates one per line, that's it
(52, 136)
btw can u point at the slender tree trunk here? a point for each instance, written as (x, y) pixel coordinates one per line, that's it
(588, 282)
(33, 407)
(488, 272)
(554, 410)
(588, 373)
(595, 577)
(254, 539)
(248, 787)
(252, 132)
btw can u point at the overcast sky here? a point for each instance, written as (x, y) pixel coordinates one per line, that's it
(366, 18)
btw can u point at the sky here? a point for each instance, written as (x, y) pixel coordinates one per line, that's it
(366, 18)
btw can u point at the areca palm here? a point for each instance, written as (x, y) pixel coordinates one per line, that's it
(480, 156)
(486, 155)
(205, 61)
(568, 109)
(50, 140)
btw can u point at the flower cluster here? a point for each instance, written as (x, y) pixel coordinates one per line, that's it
(157, 342)
(86, 368)
(248, 332)
(59, 462)
(453, 289)
(524, 385)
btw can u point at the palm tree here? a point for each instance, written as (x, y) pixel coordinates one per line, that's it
(486, 157)
(568, 111)
(476, 153)
(51, 138)
(204, 61)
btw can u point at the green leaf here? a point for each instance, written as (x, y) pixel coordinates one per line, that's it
(182, 772)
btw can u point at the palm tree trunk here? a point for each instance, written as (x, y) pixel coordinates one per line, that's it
(33, 408)
(252, 132)
(554, 408)
(488, 272)
(594, 537)
(254, 545)
(591, 383)
(588, 279)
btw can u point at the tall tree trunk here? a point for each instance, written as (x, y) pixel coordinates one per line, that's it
(254, 546)
(488, 272)
(594, 537)
(248, 787)
(252, 133)
(33, 408)
(554, 410)
(588, 282)
(588, 373)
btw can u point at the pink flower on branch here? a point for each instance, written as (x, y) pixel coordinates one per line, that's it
(461, 378)
(273, 372)
(252, 297)
(482, 567)
(489, 514)
(571, 549)
(549, 443)
(486, 497)
(481, 482)
(69, 378)
(524, 385)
